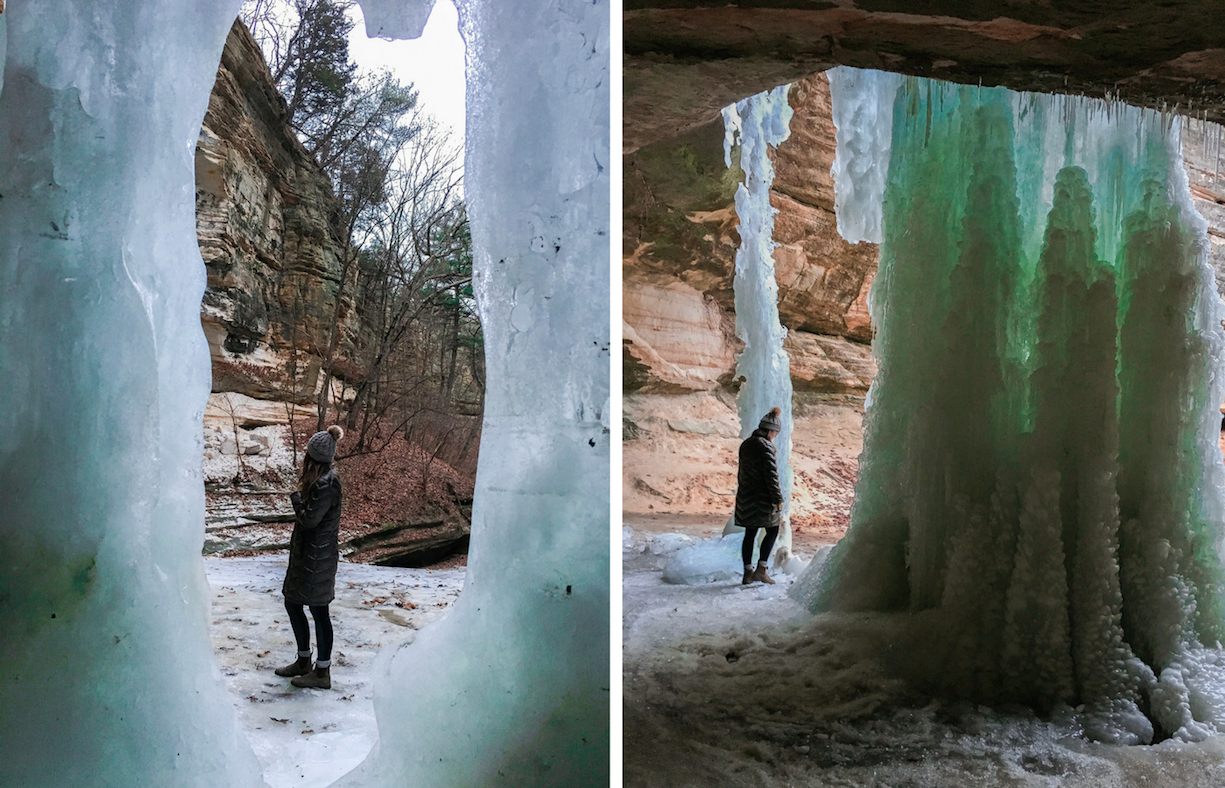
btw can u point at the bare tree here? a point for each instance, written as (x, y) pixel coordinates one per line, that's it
(227, 405)
(405, 265)
(408, 273)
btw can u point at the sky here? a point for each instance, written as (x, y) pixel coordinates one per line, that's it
(434, 63)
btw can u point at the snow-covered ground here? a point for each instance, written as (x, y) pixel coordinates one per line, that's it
(734, 686)
(309, 738)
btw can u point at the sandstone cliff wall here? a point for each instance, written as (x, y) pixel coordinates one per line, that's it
(680, 245)
(266, 221)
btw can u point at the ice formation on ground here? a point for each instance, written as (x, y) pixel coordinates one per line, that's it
(309, 738)
(706, 562)
(739, 686)
(1041, 483)
(107, 374)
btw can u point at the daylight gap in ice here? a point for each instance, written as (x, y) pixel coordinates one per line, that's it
(1041, 483)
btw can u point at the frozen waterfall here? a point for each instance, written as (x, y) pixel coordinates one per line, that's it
(109, 678)
(1041, 484)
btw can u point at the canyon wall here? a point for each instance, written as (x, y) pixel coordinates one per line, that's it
(679, 257)
(266, 222)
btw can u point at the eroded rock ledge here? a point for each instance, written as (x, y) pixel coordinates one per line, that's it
(685, 59)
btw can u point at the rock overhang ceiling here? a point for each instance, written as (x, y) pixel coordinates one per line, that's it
(685, 60)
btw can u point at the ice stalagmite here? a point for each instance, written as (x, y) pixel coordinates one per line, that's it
(757, 123)
(1040, 484)
(512, 687)
(108, 673)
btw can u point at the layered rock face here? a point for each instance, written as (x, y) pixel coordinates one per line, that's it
(680, 244)
(680, 346)
(265, 218)
(685, 59)
(265, 221)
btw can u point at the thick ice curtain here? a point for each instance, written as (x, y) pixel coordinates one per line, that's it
(108, 674)
(1040, 467)
(512, 687)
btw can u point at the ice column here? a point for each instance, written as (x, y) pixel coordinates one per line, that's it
(756, 123)
(512, 687)
(1040, 478)
(108, 673)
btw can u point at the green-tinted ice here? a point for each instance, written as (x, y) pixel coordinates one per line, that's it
(1040, 477)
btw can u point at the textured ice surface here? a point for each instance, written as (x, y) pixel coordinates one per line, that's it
(863, 128)
(109, 679)
(1040, 469)
(518, 689)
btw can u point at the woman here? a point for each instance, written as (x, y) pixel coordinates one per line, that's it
(759, 498)
(310, 580)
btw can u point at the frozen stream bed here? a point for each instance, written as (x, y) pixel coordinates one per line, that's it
(736, 686)
(309, 738)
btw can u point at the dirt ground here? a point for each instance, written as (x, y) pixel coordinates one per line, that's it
(679, 464)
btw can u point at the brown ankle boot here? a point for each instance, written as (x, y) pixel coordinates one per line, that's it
(300, 667)
(760, 574)
(319, 678)
(748, 576)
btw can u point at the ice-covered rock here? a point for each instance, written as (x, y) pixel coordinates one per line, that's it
(708, 561)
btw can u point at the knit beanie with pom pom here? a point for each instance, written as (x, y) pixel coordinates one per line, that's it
(772, 421)
(322, 445)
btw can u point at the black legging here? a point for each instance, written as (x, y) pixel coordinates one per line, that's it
(302, 633)
(767, 544)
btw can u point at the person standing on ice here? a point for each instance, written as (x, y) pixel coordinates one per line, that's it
(310, 580)
(759, 496)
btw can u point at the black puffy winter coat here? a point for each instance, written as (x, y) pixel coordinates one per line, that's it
(758, 493)
(313, 553)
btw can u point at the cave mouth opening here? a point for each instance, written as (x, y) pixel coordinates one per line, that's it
(107, 646)
(331, 223)
(1062, 199)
